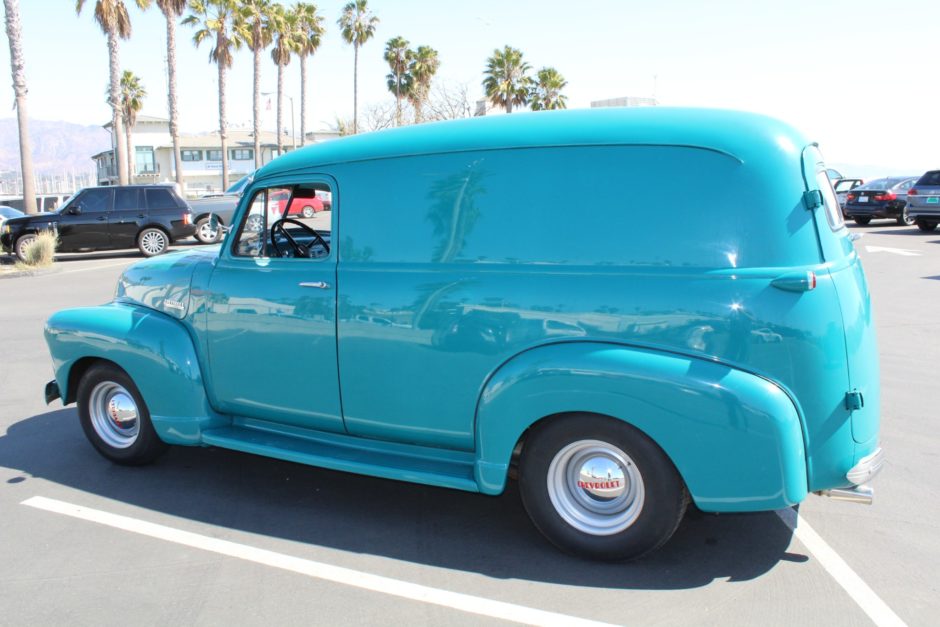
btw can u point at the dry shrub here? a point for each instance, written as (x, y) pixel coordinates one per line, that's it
(41, 251)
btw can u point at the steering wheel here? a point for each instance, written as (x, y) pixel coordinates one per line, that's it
(299, 249)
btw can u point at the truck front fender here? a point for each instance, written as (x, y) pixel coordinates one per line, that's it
(153, 348)
(735, 438)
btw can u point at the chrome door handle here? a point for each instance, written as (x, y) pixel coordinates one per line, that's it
(322, 285)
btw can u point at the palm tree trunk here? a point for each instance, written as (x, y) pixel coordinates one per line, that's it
(171, 95)
(397, 99)
(130, 162)
(256, 131)
(222, 129)
(17, 66)
(280, 107)
(355, 89)
(115, 102)
(303, 100)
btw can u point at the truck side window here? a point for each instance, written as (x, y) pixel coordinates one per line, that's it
(288, 222)
(833, 212)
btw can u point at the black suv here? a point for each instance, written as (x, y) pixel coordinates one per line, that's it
(149, 217)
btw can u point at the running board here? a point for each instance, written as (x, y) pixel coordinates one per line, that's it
(448, 469)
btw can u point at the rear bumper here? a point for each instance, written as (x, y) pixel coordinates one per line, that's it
(856, 211)
(859, 476)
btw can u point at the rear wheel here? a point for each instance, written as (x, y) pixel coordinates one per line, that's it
(597, 487)
(308, 211)
(923, 225)
(115, 418)
(862, 221)
(152, 242)
(904, 219)
(205, 233)
(21, 244)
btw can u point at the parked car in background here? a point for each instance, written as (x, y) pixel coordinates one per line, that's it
(453, 336)
(843, 186)
(924, 201)
(222, 206)
(149, 217)
(9, 212)
(304, 206)
(881, 198)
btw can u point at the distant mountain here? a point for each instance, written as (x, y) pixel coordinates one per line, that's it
(58, 147)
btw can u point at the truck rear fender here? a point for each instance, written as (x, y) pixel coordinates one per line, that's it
(735, 438)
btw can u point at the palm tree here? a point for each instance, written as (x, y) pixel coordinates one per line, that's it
(358, 26)
(172, 10)
(546, 92)
(310, 27)
(506, 79)
(17, 66)
(114, 21)
(398, 55)
(253, 26)
(287, 40)
(423, 67)
(213, 19)
(132, 101)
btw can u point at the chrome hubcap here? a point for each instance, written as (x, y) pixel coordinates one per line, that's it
(114, 414)
(153, 242)
(595, 487)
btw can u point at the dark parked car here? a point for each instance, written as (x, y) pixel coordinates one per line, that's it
(924, 201)
(149, 217)
(881, 198)
(222, 206)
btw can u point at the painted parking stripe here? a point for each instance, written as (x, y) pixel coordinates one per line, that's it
(317, 570)
(870, 603)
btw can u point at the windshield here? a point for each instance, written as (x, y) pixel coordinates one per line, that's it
(886, 183)
(239, 186)
(66, 202)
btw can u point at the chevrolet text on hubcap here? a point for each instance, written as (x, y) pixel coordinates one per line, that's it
(595, 487)
(114, 414)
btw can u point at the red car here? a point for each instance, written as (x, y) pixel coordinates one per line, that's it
(305, 207)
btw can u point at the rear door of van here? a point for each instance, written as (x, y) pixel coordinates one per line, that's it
(862, 398)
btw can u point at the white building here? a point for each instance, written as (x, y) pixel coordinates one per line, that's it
(625, 101)
(151, 155)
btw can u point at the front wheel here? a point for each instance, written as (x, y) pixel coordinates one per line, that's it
(862, 221)
(925, 226)
(152, 242)
(22, 244)
(599, 488)
(115, 417)
(307, 211)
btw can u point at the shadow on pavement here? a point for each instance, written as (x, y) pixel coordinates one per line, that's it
(491, 536)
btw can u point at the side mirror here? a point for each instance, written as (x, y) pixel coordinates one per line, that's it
(215, 224)
(75, 210)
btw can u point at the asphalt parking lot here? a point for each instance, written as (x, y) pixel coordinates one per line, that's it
(209, 536)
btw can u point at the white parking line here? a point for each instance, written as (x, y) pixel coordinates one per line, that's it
(86, 269)
(876, 609)
(318, 570)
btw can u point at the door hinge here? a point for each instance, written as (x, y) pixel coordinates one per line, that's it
(854, 400)
(812, 199)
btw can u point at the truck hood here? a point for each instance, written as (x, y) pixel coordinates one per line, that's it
(163, 282)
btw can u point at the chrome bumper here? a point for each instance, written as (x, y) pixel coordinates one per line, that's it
(860, 474)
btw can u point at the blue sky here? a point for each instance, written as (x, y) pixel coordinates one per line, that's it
(860, 77)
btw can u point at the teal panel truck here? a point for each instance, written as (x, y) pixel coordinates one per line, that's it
(626, 311)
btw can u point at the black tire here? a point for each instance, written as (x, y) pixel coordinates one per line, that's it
(152, 242)
(925, 226)
(307, 212)
(104, 395)
(904, 219)
(204, 232)
(21, 243)
(862, 221)
(631, 519)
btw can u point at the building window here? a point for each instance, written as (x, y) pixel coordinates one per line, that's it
(191, 155)
(145, 161)
(213, 155)
(241, 154)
